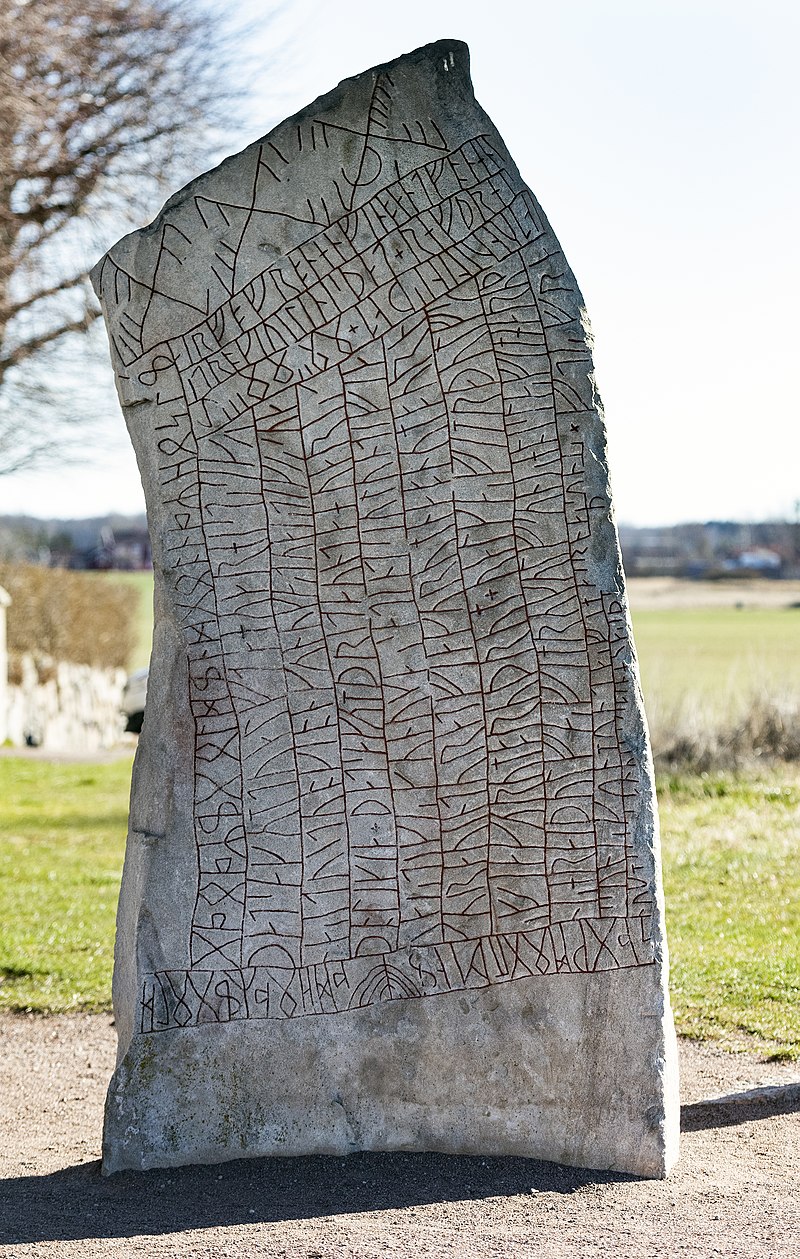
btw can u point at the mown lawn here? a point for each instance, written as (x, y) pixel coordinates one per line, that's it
(731, 851)
(731, 863)
(62, 838)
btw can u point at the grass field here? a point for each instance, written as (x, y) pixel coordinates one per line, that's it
(716, 659)
(731, 855)
(731, 865)
(62, 837)
(142, 584)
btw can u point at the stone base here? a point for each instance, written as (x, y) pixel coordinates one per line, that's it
(578, 1069)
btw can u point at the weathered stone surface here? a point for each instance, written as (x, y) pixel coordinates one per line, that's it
(392, 874)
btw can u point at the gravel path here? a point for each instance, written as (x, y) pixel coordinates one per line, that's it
(735, 1192)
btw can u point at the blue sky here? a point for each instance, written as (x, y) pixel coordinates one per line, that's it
(662, 141)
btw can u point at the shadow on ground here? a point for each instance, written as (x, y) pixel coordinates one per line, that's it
(746, 1107)
(78, 1203)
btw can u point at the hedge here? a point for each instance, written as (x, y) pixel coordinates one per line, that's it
(85, 618)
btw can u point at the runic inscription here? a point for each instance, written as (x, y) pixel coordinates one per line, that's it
(407, 687)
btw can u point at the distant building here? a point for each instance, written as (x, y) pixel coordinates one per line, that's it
(653, 553)
(125, 549)
(715, 548)
(760, 559)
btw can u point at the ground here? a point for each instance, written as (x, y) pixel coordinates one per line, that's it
(733, 1192)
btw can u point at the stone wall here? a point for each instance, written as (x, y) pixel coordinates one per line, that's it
(63, 707)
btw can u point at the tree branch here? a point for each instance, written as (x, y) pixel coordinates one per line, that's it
(28, 348)
(102, 102)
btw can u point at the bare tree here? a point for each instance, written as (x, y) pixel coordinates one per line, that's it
(103, 103)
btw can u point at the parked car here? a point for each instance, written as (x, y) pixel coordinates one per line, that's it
(134, 695)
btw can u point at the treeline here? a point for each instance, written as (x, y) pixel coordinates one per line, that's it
(714, 548)
(97, 542)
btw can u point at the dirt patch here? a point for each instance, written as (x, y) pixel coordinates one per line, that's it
(734, 1192)
(654, 594)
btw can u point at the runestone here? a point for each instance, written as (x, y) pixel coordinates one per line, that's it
(392, 875)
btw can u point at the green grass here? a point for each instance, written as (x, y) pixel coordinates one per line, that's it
(62, 837)
(142, 583)
(731, 850)
(716, 660)
(731, 865)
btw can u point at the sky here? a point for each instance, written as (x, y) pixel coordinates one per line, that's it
(661, 138)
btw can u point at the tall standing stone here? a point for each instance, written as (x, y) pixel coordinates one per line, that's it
(392, 877)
